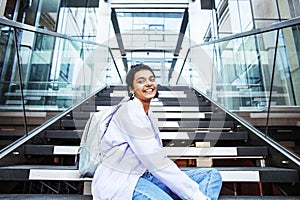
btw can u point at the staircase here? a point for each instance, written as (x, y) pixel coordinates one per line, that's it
(195, 133)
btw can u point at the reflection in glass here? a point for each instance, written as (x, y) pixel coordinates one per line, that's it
(12, 124)
(47, 74)
(256, 77)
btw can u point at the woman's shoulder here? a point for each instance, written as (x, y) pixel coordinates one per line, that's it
(132, 105)
(131, 112)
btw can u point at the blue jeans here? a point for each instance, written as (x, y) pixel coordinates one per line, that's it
(150, 188)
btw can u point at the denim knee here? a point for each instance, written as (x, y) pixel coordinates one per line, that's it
(214, 171)
(216, 175)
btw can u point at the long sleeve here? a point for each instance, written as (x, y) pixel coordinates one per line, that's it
(140, 132)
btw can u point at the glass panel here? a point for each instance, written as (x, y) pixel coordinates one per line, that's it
(149, 30)
(60, 72)
(48, 13)
(200, 71)
(56, 74)
(289, 9)
(11, 115)
(265, 12)
(245, 15)
(233, 17)
(30, 13)
(10, 9)
(79, 22)
(236, 18)
(225, 28)
(114, 75)
(284, 111)
(255, 79)
(291, 37)
(265, 9)
(96, 70)
(284, 9)
(39, 13)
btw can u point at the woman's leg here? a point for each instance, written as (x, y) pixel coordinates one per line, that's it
(146, 190)
(209, 180)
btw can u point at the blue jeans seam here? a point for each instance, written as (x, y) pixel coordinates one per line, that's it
(142, 194)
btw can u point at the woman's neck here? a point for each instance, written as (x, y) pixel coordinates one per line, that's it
(146, 105)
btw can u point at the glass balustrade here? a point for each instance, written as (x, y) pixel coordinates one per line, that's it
(42, 74)
(255, 76)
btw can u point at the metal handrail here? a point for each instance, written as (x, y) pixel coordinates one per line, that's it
(262, 136)
(276, 26)
(26, 27)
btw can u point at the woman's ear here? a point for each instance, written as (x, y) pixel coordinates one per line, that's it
(131, 93)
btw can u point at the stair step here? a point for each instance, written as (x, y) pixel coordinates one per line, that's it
(63, 134)
(204, 124)
(106, 102)
(190, 115)
(181, 103)
(108, 96)
(70, 123)
(195, 116)
(206, 136)
(70, 173)
(21, 114)
(166, 115)
(11, 133)
(170, 151)
(160, 108)
(216, 151)
(89, 108)
(166, 109)
(173, 88)
(51, 150)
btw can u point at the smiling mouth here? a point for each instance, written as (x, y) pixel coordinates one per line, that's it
(149, 90)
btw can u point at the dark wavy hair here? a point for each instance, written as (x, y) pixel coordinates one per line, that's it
(134, 69)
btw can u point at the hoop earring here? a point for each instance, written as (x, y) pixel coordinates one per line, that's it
(156, 95)
(131, 95)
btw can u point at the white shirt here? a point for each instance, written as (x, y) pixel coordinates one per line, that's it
(131, 146)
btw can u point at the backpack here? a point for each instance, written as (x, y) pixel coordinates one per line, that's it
(94, 130)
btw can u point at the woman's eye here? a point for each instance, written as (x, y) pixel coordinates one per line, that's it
(141, 82)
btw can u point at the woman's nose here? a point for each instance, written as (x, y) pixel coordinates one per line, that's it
(150, 82)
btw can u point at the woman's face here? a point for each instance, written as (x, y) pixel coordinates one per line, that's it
(144, 85)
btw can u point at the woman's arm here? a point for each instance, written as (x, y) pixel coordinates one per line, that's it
(142, 139)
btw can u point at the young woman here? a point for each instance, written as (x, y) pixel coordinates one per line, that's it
(134, 164)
